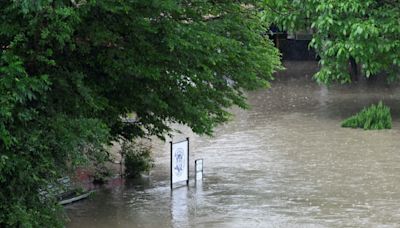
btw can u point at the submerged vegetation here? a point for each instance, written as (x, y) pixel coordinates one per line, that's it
(137, 158)
(374, 117)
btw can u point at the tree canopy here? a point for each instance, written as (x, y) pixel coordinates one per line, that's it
(367, 31)
(70, 70)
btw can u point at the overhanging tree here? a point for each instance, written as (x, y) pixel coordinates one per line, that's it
(71, 69)
(366, 32)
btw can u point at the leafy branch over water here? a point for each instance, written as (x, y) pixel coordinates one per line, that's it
(71, 71)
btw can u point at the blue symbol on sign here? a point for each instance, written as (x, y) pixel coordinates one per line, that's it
(179, 162)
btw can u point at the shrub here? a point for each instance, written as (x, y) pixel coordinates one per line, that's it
(372, 118)
(137, 158)
(101, 174)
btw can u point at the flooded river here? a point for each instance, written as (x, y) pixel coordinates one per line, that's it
(284, 163)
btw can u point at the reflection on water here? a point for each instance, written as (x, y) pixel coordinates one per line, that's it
(284, 163)
(180, 207)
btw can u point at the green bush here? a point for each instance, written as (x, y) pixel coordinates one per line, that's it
(137, 158)
(374, 117)
(101, 174)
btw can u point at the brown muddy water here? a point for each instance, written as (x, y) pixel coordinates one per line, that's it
(284, 163)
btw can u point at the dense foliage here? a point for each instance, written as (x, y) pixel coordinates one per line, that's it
(137, 158)
(366, 32)
(375, 117)
(70, 70)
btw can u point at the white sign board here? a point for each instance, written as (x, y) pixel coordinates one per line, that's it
(199, 169)
(180, 161)
(199, 165)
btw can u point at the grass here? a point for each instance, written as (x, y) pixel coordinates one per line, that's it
(374, 117)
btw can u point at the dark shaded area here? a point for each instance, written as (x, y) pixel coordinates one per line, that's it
(296, 50)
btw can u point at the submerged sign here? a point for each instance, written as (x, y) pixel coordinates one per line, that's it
(199, 169)
(180, 162)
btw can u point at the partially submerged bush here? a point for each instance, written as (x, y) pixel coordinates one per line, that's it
(101, 174)
(372, 118)
(137, 158)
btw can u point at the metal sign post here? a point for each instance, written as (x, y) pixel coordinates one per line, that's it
(179, 162)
